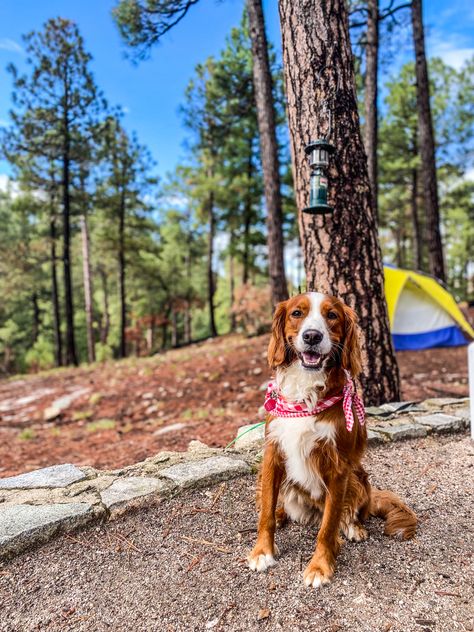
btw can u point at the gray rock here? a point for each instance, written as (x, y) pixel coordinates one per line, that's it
(440, 402)
(124, 490)
(22, 526)
(464, 414)
(374, 437)
(62, 403)
(248, 439)
(54, 476)
(376, 411)
(171, 428)
(398, 432)
(397, 407)
(441, 423)
(211, 470)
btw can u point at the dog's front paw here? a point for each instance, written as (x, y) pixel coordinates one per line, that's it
(317, 574)
(356, 533)
(260, 558)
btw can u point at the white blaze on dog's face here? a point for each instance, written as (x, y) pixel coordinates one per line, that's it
(313, 328)
(313, 342)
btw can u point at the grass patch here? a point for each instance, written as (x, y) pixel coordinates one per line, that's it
(79, 415)
(101, 424)
(28, 434)
(95, 398)
(55, 431)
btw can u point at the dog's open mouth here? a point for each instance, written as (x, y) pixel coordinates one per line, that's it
(312, 360)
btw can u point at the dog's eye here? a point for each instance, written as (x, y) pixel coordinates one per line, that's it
(332, 316)
(297, 313)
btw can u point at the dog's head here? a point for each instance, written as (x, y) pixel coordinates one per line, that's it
(316, 330)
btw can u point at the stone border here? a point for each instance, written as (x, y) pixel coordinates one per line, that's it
(36, 506)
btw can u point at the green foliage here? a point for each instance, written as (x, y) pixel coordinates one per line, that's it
(40, 356)
(401, 198)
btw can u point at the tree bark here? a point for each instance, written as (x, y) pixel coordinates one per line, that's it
(342, 252)
(417, 238)
(122, 279)
(71, 355)
(58, 347)
(263, 86)
(370, 97)
(36, 317)
(232, 281)
(211, 289)
(427, 146)
(87, 278)
(105, 319)
(174, 329)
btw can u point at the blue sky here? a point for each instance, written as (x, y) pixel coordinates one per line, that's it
(152, 91)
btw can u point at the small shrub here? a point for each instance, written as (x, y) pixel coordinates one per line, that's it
(103, 352)
(40, 356)
(28, 434)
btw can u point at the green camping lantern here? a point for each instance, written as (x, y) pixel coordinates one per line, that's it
(318, 152)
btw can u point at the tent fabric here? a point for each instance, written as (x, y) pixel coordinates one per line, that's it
(422, 313)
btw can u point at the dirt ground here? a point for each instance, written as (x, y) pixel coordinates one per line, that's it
(180, 565)
(131, 409)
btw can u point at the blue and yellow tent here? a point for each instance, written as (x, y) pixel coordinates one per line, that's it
(422, 313)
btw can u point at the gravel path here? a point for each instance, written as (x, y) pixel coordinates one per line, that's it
(181, 565)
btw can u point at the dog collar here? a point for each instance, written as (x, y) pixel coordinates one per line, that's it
(277, 406)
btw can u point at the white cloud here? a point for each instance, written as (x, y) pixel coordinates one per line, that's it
(7, 185)
(10, 45)
(453, 48)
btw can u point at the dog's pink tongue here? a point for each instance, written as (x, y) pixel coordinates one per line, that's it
(311, 358)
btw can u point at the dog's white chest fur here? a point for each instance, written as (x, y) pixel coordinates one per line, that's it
(296, 438)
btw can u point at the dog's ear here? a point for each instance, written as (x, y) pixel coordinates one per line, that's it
(277, 346)
(351, 353)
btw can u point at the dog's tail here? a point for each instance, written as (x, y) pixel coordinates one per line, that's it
(400, 520)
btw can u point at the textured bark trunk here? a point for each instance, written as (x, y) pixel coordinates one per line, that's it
(87, 278)
(121, 263)
(262, 79)
(105, 320)
(188, 329)
(427, 146)
(370, 98)
(417, 237)
(232, 282)
(174, 329)
(58, 346)
(36, 318)
(248, 218)
(211, 289)
(342, 252)
(71, 355)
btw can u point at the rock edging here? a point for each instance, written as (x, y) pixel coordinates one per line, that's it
(36, 506)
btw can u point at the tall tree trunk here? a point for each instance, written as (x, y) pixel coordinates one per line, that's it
(105, 319)
(71, 355)
(58, 347)
(174, 329)
(232, 281)
(342, 252)
(370, 97)
(121, 262)
(417, 237)
(211, 289)
(263, 86)
(36, 317)
(188, 331)
(427, 146)
(87, 278)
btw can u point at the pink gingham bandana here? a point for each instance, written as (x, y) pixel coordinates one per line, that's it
(277, 406)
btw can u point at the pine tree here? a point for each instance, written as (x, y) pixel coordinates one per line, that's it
(55, 106)
(342, 253)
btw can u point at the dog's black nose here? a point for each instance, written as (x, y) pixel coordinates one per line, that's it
(312, 336)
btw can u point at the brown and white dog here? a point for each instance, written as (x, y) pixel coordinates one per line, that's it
(311, 470)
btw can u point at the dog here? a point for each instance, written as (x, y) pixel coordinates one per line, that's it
(316, 437)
